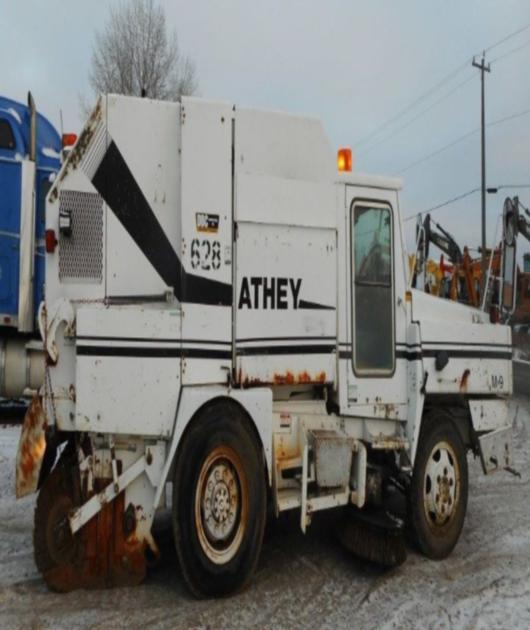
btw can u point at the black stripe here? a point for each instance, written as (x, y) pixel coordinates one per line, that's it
(258, 339)
(304, 304)
(163, 353)
(153, 340)
(115, 351)
(206, 342)
(125, 339)
(454, 354)
(116, 184)
(410, 356)
(257, 350)
(466, 343)
(468, 354)
(205, 353)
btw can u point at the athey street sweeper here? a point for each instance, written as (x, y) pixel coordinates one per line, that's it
(228, 317)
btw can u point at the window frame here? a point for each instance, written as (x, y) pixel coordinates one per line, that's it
(383, 204)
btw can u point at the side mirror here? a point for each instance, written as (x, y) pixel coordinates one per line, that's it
(422, 252)
(510, 221)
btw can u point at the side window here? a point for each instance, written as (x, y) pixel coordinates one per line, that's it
(372, 271)
(7, 139)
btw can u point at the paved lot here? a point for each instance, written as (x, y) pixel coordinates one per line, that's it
(302, 581)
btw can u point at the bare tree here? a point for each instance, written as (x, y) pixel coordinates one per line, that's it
(136, 55)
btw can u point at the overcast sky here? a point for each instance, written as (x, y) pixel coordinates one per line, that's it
(353, 63)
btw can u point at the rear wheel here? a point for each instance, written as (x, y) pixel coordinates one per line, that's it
(439, 487)
(219, 502)
(55, 547)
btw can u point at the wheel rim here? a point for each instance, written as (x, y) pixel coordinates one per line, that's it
(441, 486)
(59, 538)
(221, 505)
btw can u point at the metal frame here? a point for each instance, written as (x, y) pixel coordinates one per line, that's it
(372, 373)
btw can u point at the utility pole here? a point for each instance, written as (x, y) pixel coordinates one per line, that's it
(483, 67)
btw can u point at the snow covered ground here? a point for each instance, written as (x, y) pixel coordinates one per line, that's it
(303, 580)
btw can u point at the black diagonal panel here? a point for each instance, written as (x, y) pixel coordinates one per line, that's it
(116, 184)
(314, 306)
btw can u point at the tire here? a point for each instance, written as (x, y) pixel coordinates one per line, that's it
(55, 548)
(439, 487)
(219, 502)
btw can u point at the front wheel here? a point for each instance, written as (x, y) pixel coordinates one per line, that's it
(439, 487)
(219, 502)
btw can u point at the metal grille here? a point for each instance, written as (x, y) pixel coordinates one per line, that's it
(81, 253)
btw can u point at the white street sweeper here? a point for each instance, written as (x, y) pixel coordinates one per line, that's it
(229, 318)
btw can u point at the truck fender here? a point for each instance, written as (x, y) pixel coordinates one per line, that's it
(257, 403)
(61, 311)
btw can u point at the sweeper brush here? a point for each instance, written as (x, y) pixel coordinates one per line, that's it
(376, 536)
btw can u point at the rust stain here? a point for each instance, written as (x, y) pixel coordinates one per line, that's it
(304, 377)
(106, 556)
(252, 382)
(321, 377)
(31, 449)
(286, 378)
(287, 452)
(72, 162)
(285, 448)
(464, 380)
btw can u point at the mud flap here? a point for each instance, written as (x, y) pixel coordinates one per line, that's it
(496, 450)
(31, 449)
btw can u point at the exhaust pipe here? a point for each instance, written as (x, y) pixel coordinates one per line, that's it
(27, 227)
(32, 128)
(21, 367)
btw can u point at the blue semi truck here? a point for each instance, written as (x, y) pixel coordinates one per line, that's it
(30, 157)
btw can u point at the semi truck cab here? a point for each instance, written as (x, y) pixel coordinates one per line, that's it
(29, 159)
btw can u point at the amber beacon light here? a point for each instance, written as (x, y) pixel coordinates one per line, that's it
(344, 160)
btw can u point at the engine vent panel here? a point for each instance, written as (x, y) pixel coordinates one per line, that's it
(81, 252)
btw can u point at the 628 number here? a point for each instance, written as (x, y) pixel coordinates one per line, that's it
(205, 254)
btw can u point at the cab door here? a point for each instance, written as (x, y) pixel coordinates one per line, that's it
(375, 352)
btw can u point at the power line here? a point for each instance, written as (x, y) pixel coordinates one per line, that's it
(507, 37)
(438, 85)
(440, 100)
(460, 139)
(418, 100)
(443, 204)
(414, 118)
(510, 117)
(462, 196)
(441, 150)
(511, 52)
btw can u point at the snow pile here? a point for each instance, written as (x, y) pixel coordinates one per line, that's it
(303, 581)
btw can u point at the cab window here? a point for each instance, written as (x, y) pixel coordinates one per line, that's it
(372, 271)
(7, 139)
